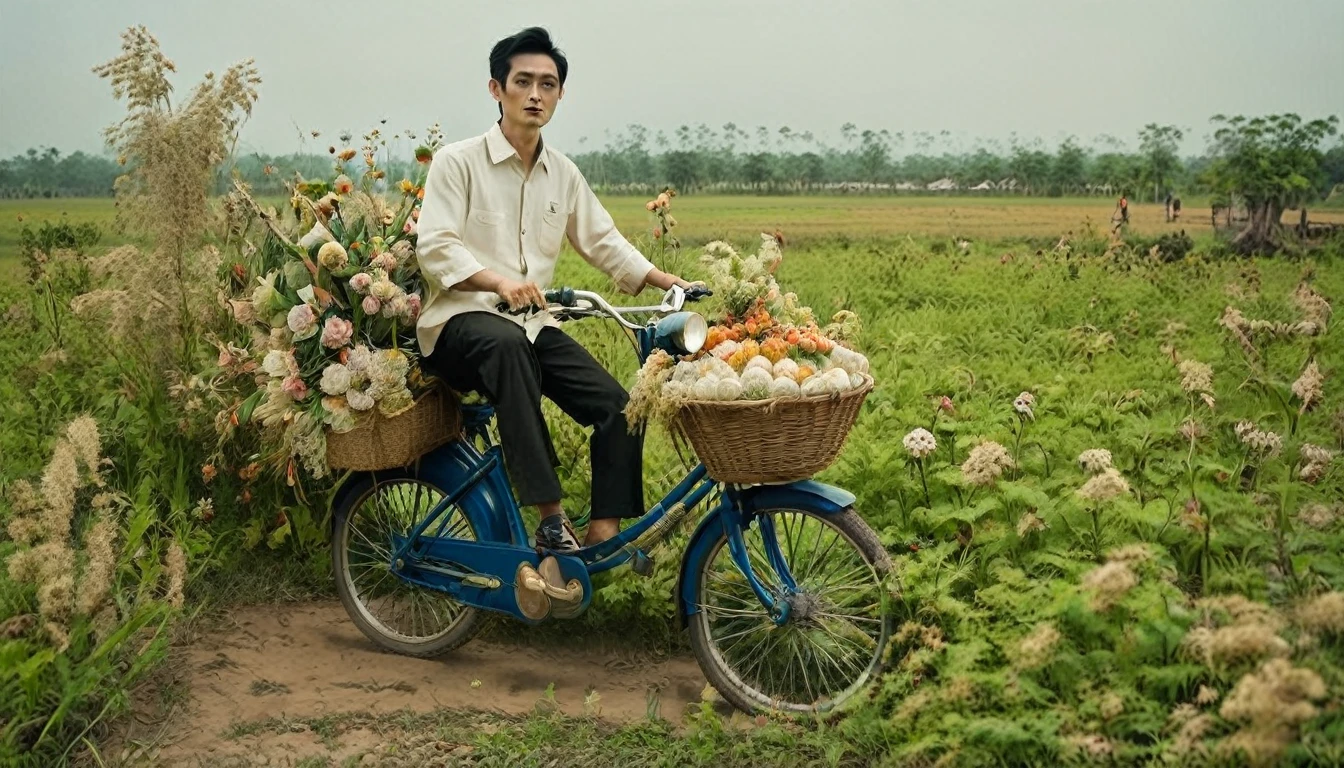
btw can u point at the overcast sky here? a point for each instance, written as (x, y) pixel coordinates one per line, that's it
(975, 68)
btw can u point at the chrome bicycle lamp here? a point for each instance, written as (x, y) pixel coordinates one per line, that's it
(681, 333)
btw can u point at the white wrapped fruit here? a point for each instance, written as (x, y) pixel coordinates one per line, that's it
(756, 384)
(728, 389)
(686, 372)
(848, 359)
(786, 367)
(785, 387)
(837, 380)
(816, 385)
(705, 389)
(676, 390)
(720, 369)
(762, 362)
(856, 380)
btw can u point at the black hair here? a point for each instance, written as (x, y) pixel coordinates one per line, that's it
(530, 40)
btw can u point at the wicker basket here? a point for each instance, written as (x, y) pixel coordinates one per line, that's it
(770, 441)
(381, 442)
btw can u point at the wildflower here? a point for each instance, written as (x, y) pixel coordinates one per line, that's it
(1109, 583)
(1206, 696)
(1037, 648)
(204, 510)
(423, 155)
(83, 436)
(945, 405)
(96, 582)
(1246, 640)
(1267, 443)
(1095, 460)
(384, 261)
(208, 472)
(986, 463)
(930, 637)
(383, 288)
(1307, 388)
(1324, 614)
(370, 305)
(175, 566)
(920, 443)
(1023, 405)
(1029, 523)
(1196, 377)
(1130, 553)
(346, 155)
(1271, 703)
(332, 256)
(294, 387)
(413, 300)
(1104, 486)
(302, 321)
(406, 186)
(1094, 744)
(343, 185)
(1315, 308)
(1317, 516)
(1191, 430)
(1112, 705)
(337, 333)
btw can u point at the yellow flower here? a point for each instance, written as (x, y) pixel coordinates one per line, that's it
(406, 186)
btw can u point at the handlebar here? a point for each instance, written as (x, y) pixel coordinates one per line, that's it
(588, 302)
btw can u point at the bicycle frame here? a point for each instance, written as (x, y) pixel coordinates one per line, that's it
(474, 481)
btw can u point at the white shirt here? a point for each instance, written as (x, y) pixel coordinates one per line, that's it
(483, 211)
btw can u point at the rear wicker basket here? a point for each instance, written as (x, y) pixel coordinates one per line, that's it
(770, 441)
(380, 442)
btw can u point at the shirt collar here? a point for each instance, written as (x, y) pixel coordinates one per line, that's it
(500, 149)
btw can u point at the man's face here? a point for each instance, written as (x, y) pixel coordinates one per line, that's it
(532, 92)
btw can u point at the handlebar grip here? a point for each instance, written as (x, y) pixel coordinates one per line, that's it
(562, 296)
(698, 292)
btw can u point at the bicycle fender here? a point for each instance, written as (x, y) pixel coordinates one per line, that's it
(808, 495)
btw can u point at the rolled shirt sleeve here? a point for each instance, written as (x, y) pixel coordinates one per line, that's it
(439, 248)
(594, 235)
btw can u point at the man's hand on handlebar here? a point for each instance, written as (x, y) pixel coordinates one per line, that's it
(518, 296)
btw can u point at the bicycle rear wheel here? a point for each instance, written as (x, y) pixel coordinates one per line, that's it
(831, 646)
(396, 615)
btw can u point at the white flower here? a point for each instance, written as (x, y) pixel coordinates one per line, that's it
(276, 363)
(383, 289)
(920, 443)
(1023, 405)
(318, 234)
(332, 256)
(1268, 443)
(1095, 460)
(302, 321)
(360, 401)
(335, 379)
(1104, 486)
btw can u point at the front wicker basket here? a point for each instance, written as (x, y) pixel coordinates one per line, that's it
(382, 442)
(770, 441)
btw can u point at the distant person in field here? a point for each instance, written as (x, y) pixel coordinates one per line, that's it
(1168, 206)
(1122, 212)
(1175, 208)
(497, 209)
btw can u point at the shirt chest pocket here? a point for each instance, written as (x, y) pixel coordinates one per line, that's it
(553, 223)
(487, 221)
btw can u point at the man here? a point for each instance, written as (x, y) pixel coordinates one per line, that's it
(496, 210)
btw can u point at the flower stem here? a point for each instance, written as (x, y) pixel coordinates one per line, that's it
(923, 481)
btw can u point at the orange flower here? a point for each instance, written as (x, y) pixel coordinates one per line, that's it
(346, 155)
(406, 186)
(343, 185)
(247, 495)
(208, 472)
(793, 336)
(368, 159)
(420, 193)
(657, 232)
(775, 350)
(345, 355)
(649, 206)
(378, 174)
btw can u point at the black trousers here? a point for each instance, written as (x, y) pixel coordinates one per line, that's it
(486, 353)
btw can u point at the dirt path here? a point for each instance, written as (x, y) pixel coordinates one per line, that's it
(305, 661)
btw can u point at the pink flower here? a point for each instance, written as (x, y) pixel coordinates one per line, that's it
(337, 333)
(384, 261)
(414, 299)
(360, 282)
(409, 228)
(294, 387)
(302, 321)
(225, 359)
(371, 305)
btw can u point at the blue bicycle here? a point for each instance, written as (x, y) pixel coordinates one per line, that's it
(783, 587)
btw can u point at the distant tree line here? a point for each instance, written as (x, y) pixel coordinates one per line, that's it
(734, 160)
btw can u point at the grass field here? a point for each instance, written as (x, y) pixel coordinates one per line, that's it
(741, 217)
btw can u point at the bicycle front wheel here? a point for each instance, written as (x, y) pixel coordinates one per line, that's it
(840, 621)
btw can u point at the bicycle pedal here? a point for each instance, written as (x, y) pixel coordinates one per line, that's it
(533, 602)
(641, 563)
(569, 606)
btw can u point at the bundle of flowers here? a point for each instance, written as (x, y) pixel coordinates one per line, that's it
(332, 307)
(763, 344)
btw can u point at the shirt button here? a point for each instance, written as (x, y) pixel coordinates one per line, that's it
(524, 230)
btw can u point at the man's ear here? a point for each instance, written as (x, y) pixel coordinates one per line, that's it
(496, 90)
